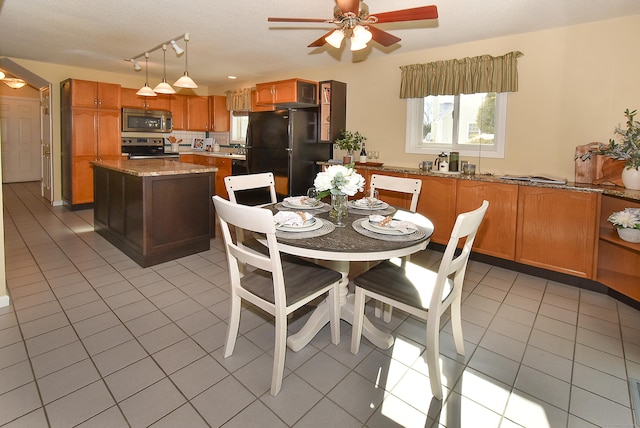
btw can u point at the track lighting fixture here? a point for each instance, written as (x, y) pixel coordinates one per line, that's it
(176, 48)
(185, 81)
(163, 87)
(136, 65)
(146, 90)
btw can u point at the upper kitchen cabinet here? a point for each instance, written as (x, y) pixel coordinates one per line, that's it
(131, 100)
(257, 107)
(288, 93)
(220, 120)
(88, 94)
(333, 110)
(179, 111)
(190, 113)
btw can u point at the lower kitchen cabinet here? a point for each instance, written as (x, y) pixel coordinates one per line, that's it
(497, 234)
(437, 202)
(618, 260)
(556, 230)
(223, 165)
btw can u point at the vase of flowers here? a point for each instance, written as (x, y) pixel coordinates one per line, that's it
(350, 142)
(627, 224)
(627, 150)
(340, 182)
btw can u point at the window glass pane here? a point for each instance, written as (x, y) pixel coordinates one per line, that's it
(239, 128)
(437, 125)
(477, 119)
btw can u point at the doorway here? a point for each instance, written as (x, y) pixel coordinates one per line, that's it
(20, 139)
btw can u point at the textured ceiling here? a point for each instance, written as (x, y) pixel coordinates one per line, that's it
(234, 37)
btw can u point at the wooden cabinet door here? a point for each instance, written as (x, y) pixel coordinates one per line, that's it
(84, 94)
(556, 230)
(255, 103)
(224, 169)
(130, 99)
(178, 111)
(437, 202)
(198, 113)
(265, 93)
(220, 118)
(84, 139)
(109, 142)
(187, 158)
(82, 181)
(285, 91)
(108, 95)
(497, 233)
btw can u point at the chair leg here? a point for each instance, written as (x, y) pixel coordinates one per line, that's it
(334, 315)
(358, 320)
(433, 363)
(234, 324)
(456, 326)
(388, 310)
(279, 353)
(379, 309)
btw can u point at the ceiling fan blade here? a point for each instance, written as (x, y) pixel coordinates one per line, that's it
(382, 37)
(298, 20)
(352, 6)
(414, 14)
(321, 41)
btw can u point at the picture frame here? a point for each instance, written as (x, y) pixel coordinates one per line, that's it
(197, 144)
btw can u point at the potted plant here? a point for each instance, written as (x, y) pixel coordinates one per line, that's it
(350, 142)
(627, 224)
(627, 149)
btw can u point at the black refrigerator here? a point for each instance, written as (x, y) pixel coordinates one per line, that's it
(285, 142)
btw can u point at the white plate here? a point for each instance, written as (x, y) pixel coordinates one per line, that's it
(374, 227)
(291, 203)
(379, 206)
(307, 226)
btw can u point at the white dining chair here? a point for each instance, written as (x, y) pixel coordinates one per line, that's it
(423, 293)
(277, 284)
(400, 185)
(239, 183)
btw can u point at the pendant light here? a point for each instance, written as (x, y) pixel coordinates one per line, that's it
(163, 87)
(146, 90)
(185, 81)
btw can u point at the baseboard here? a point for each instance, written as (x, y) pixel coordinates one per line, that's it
(4, 301)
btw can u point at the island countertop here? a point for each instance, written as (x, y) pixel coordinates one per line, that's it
(153, 167)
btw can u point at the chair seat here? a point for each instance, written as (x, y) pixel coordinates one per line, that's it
(412, 285)
(301, 279)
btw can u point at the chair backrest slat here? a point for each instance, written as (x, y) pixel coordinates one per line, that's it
(235, 183)
(398, 184)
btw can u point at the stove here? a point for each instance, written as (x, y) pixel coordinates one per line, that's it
(145, 148)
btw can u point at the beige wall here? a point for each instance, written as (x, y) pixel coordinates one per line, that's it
(575, 83)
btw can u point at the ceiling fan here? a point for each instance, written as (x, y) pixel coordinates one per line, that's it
(353, 19)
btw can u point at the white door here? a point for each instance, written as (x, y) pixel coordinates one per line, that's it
(20, 124)
(47, 165)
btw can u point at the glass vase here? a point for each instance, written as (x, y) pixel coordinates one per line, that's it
(339, 209)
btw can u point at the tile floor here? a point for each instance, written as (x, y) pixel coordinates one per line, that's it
(92, 339)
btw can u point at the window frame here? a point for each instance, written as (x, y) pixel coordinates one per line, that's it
(415, 110)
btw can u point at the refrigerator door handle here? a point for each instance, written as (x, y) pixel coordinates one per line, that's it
(289, 149)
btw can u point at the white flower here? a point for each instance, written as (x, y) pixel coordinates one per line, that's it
(629, 218)
(338, 179)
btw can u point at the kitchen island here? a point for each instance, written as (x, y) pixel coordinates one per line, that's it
(154, 210)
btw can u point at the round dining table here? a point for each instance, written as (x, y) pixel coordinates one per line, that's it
(337, 249)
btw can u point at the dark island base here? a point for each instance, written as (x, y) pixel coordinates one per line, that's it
(154, 219)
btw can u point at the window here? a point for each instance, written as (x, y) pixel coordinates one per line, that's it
(239, 123)
(472, 124)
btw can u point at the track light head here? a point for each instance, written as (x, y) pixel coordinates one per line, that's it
(176, 48)
(136, 66)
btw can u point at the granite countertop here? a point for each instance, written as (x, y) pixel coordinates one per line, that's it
(214, 154)
(153, 167)
(616, 191)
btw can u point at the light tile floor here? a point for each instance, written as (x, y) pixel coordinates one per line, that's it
(92, 339)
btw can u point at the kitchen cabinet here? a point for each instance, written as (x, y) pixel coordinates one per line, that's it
(618, 260)
(292, 92)
(223, 165)
(497, 233)
(437, 202)
(90, 131)
(333, 110)
(257, 107)
(131, 100)
(219, 116)
(556, 230)
(179, 111)
(197, 113)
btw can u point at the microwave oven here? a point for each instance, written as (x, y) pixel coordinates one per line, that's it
(138, 120)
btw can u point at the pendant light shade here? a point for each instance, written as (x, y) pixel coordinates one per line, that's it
(146, 90)
(2, 75)
(163, 87)
(185, 81)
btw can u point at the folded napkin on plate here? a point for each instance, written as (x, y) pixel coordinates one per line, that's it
(290, 218)
(301, 201)
(401, 225)
(364, 202)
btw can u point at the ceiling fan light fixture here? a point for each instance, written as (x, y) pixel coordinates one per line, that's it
(362, 34)
(335, 38)
(2, 75)
(357, 45)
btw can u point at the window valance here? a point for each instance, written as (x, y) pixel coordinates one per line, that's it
(239, 99)
(479, 74)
